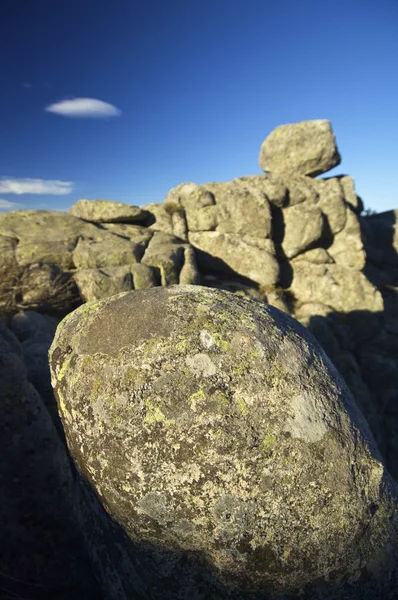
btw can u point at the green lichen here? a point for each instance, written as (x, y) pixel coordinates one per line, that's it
(278, 377)
(196, 399)
(154, 414)
(243, 406)
(268, 443)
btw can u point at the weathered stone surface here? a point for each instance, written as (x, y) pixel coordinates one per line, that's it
(107, 211)
(331, 202)
(319, 256)
(158, 218)
(95, 284)
(166, 253)
(300, 189)
(240, 209)
(303, 226)
(350, 195)
(35, 250)
(347, 248)
(200, 212)
(136, 233)
(307, 148)
(272, 186)
(42, 554)
(58, 226)
(221, 439)
(236, 255)
(344, 290)
(116, 251)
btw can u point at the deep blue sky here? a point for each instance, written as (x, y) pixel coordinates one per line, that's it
(199, 86)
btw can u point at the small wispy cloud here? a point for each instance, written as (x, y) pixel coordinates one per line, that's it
(26, 85)
(84, 107)
(7, 205)
(19, 185)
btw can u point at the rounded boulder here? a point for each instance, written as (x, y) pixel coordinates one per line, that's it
(226, 450)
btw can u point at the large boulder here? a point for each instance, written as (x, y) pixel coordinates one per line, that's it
(306, 148)
(230, 456)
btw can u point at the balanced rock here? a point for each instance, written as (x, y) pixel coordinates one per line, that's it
(230, 456)
(306, 148)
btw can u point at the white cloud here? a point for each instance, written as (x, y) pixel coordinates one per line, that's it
(7, 205)
(84, 107)
(26, 85)
(15, 185)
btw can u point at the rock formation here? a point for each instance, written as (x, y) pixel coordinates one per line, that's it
(286, 238)
(216, 428)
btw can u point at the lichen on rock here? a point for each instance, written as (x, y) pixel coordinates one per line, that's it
(222, 441)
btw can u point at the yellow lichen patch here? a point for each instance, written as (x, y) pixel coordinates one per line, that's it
(154, 415)
(278, 377)
(243, 406)
(221, 343)
(220, 398)
(182, 345)
(197, 399)
(268, 442)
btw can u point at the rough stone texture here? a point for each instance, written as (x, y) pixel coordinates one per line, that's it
(95, 284)
(200, 212)
(107, 211)
(42, 556)
(318, 256)
(158, 218)
(347, 248)
(342, 289)
(270, 185)
(240, 209)
(28, 225)
(56, 253)
(235, 254)
(332, 204)
(300, 189)
(245, 471)
(136, 233)
(91, 254)
(307, 148)
(350, 196)
(302, 229)
(167, 253)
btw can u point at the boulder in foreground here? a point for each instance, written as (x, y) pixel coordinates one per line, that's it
(226, 449)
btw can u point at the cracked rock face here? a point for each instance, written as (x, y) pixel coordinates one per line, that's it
(225, 448)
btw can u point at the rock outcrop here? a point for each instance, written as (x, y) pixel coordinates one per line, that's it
(216, 428)
(284, 238)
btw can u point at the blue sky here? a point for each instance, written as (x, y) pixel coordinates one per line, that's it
(196, 87)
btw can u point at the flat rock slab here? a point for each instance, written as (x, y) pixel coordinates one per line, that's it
(226, 449)
(305, 148)
(107, 211)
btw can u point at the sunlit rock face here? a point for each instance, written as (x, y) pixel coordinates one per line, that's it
(304, 148)
(230, 458)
